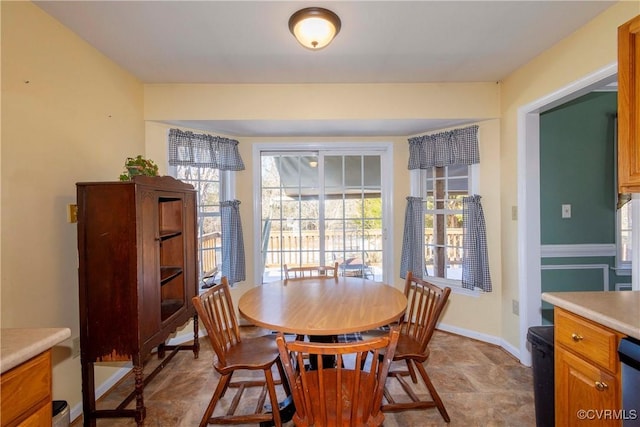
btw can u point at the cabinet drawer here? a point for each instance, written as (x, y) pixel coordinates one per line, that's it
(25, 389)
(593, 341)
(41, 418)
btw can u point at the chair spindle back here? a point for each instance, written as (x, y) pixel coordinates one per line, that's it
(347, 393)
(425, 304)
(215, 310)
(296, 273)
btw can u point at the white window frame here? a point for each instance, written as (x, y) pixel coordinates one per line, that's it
(227, 192)
(386, 157)
(623, 268)
(418, 179)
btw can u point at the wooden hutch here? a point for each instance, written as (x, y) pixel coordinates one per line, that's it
(137, 245)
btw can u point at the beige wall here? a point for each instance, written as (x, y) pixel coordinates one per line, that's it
(79, 116)
(586, 51)
(69, 114)
(364, 102)
(321, 101)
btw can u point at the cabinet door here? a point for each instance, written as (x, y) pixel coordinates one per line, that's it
(191, 239)
(629, 107)
(585, 394)
(149, 276)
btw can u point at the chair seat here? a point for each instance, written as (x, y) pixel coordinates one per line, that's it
(409, 348)
(251, 353)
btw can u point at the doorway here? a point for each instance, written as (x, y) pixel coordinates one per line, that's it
(529, 247)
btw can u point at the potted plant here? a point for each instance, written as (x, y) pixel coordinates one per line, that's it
(138, 166)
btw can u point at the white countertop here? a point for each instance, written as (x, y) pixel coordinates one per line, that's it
(21, 344)
(618, 310)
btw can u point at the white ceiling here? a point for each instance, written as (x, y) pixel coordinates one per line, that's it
(380, 42)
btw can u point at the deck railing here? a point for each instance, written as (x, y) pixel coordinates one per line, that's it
(211, 244)
(300, 248)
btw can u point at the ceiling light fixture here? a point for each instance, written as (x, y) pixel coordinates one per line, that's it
(314, 27)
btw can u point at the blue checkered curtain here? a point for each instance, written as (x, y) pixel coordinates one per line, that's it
(202, 150)
(413, 238)
(475, 263)
(455, 147)
(233, 262)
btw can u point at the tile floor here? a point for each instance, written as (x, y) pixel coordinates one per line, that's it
(480, 384)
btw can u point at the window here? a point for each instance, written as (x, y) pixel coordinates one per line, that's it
(624, 240)
(198, 159)
(318, 207)
(207, 182)
(444, 203)
(444, 189)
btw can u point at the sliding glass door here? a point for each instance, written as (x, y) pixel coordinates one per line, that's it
(322, 207)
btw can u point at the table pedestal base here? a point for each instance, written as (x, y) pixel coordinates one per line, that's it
(286, 408)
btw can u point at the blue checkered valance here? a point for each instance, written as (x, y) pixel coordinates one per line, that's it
(454, 147)
(202, 150)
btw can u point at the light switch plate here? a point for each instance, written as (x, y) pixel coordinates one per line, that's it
(72, 213)
(566, 211)
(75, 349)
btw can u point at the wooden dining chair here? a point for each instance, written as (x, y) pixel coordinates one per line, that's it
(425, 304)
(297, 273)
(215, 310)
(301, 273)
(349, 392)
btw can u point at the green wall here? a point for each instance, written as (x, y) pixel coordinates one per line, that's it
(577, 167)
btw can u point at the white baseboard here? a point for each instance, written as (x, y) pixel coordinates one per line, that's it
(490, 339)
(514, 351)
(101, 389)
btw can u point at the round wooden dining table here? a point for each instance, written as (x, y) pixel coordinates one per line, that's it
(322, 306)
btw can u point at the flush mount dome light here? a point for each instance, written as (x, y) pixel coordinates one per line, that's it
(314, 27)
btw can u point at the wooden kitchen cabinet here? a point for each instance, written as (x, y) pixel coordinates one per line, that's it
(25, 393)
(629, 107)
(137, 250)
(587, 372)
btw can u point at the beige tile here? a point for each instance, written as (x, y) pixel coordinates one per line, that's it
(480, 385)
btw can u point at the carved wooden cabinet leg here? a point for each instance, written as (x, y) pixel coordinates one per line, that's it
(196, 342)
(88, 394)
(141, 412)
(161, 351)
